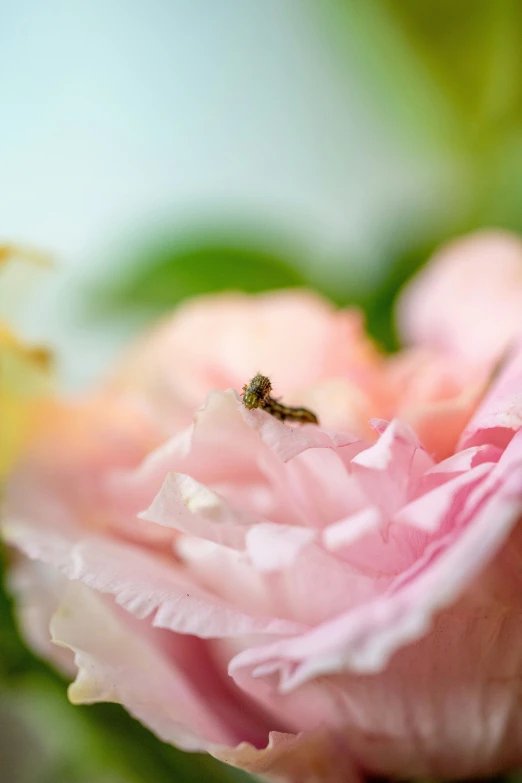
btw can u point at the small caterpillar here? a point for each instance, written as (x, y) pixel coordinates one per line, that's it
(256, 394)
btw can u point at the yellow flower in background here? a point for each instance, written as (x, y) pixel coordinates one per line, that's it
(25, 376)
(10, 251)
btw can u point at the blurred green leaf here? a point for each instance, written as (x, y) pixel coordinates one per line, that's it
(169, 269)
(443, 80)
(472, 50)
(88, 744)
(14, 657)
(406, 100)
(449, 70)
(378, 304)
(198, 262)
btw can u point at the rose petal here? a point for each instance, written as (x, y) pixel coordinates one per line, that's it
(118, 666)
(190, 507)
(289, 593)
(344, 533)
(142, 583)
(456, 465)
(363, 639)
(500, 414)
(275, 547)
(389, 470)
(288, 441)
(468, 298)
(310, 757)
(218, 426)
(126, 661)
(225, 340)
(430, 511)
(321, 487)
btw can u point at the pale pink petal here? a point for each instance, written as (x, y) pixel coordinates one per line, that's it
(119, 666)
(224, 340)
(456, 465)
(229, 574)
(286, 441)
(156, 678)
(460, 695)
(142, 583)
(342, 404)
(435, 394)
(310, 757)
(314, 487)
(185, 505)
(64, 487)
(431, 510)
(363, 639)
(383, 552)
(189, 507)
(289, 593)
(447, 705)
(218, 428)
(439, 424)
(344, 533)
(468, 299)
(388, 470)
(451, 698)
(321, 487)
(247, 443)
(318, 585)
(275, 547)
(500, 414)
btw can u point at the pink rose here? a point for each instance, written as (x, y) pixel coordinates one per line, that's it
(309, 602)
(468, 299)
